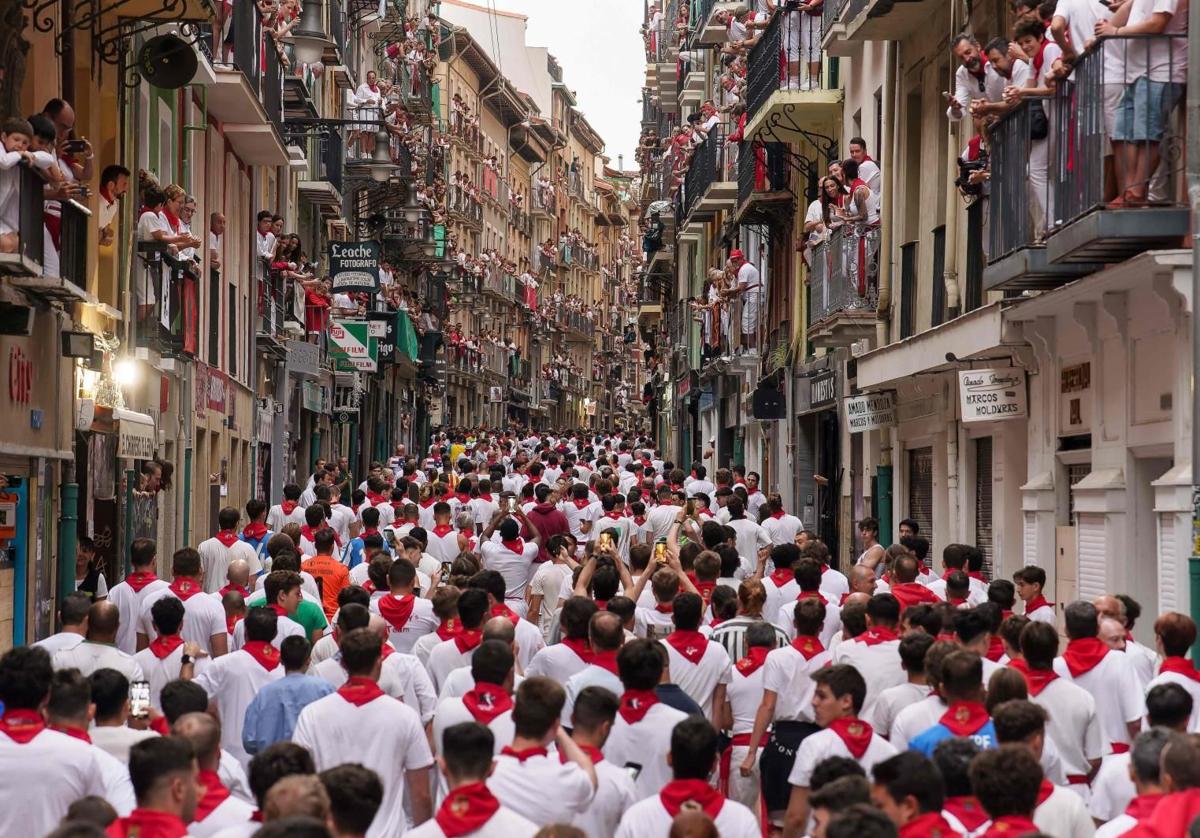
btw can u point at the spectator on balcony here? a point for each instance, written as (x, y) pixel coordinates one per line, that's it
(368, 99)
(1155, 73)
(1043, 55)
(1009, 61)
(868, 169)
(16, 135)
(316, 307)
(186, 213)
(802, 42)
(216, 230)
(114, 183)
(748, 286)
(264, 237)
(976, 79)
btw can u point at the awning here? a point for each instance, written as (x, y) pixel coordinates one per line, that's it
(136, 437)
(976, 335)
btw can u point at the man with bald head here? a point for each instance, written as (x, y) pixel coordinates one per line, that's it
(862, 581)
(216, 809)
(1142, 660)
(237, 577)
(98, 650)
(606, 636)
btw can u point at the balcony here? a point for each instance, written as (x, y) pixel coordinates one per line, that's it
(270, 308)
(34, 265)
(763, 180)
(167, 297)
(461, 204)
(792, 90)
(706, 29)
(26, 258)
(465, 135)
(544, 203)
(464, 360)
(843, 283)
(248, 95)
(323, 185)
(500, 285)
(883, 20)
(710, 184)
(551, 391)
(1086, 224)
(494, 361)
(1016, 250)
(575, 324)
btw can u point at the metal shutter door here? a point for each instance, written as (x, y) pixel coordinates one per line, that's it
(1029, 542)
(1168, 592)
(1091, 550)
(920, 491)
(983, 502)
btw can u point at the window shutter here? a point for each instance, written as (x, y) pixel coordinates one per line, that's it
(1092, 551)
(1168, 591)
(983, 502)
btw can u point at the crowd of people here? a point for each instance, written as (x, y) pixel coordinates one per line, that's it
(563, 634)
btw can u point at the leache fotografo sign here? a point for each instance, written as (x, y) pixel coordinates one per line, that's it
(990, 395)
(354, 266)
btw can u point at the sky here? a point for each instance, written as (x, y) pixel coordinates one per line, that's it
(600, 50)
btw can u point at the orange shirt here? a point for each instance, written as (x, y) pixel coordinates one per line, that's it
(331, 576)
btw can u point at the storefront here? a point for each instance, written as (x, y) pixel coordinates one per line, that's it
(816, 449)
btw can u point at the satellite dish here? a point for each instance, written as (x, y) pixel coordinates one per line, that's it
(166, 61)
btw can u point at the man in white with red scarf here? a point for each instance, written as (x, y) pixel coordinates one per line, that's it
(876, 652)
(512, 556)
(699, 666)
(360, 723)
(204, 618)
(408, 616)
(455, 652)
(693, 756)
(129, 594)
(837, 701)
(489, 702)
(529, 637)
(470, 810)
(217, 552)
(743, 696)
(780, 526)
(572, 654)
(1175, 634)
(592, 719)
(216, 809)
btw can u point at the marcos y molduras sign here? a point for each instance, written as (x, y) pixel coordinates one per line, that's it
(869, 412)
(990, 395)
(354, 266)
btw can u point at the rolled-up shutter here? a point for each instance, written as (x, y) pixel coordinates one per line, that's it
(983, 502)
(920, 491)
(1092, 550)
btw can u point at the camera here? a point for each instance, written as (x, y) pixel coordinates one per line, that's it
(965, 169)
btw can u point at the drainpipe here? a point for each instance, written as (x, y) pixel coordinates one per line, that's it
(1193, 185)
(887, 145)
(68, 531)
(950, 274)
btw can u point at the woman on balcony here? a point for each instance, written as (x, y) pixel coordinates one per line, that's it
(316, 307)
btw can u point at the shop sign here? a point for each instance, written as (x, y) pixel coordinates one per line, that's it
(822, 389)
(314, 397)
(382, 326)
(1076, 378)
(869, 412)
(135, 436)
(351, 348)
(991, 395)
(303, 358)
(200, 397)
(217, 389)
(354, 266)
(8, 516)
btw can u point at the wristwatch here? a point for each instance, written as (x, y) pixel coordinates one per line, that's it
(185, 659)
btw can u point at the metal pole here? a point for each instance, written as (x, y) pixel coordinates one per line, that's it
(1193, 187)
(68, 532)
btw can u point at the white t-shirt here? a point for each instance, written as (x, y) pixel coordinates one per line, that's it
(87, 657)
(788, 674)
(557, 662)
(159, 671)
(1193, 689)
(1073, 726)
(231, 682)
(782, 530)
(451, 711)
(785, 619)
(644, 743)
(203, 618)
(504, 824)
(891, 701)
(1112, 788)
(62, 640)
(129, 604)
(750, 536)
(541, 788)
(826, 743)
(383, 735)
(1064, 815)
(514, 566)
(444, 658)
(590, 676)
(547, 581)
(1116, 691)
(117, 740)
(284, 627)
(420, 622)
(879, 665)
(744, 693)
(700, 679)
(650, 819)
(915, 719)
(42, 778)
(614, 796)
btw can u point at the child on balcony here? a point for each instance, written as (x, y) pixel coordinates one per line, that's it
(16, 136)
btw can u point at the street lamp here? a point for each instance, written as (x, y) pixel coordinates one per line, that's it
(309, 39)
(381, 166)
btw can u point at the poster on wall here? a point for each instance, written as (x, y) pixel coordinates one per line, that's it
(992, 395)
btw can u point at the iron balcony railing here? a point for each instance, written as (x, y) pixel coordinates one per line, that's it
(1011, 188)
(543, 201)
(73, 252)
(709, 165)
(271, 306)
(31, 239)
(844, 274)
(761, 167)
(167, 302)
(500, 284)
(462, 202)
(787, 56)
(660, 35)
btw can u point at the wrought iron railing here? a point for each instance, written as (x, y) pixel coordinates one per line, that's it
(761, 167)
(31, 240)
(708, 166)
(845, 272)
(74, 243)
(167, 298)
(270, 308)
(1011, 189)
(787, 56)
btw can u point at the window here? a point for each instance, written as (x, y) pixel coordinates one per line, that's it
(233, 330)
(908, 288)
(938, 313)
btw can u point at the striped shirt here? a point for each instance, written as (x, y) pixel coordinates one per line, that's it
(732, 635)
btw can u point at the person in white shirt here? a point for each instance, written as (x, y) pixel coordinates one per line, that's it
(807, 574)
(217, 809)
(98, 650)
(528, 637)
(876, 652)
(743, 697)
(233, 680)
(73, 618)
(1103, 672)
(838, 698)
(700, 667)
(954, 557)
(470, 809)
(641, 735)
(162, 660)
(1061, 812)
(455, 652)
(360, 723)
(204, 622)
(661, 518)
(45, 771)
(288, 511)
(217, 552)
(1145, 758)
(697, 483)
(283, 596)
(693, 757)
(750, 536)
(779, 526)
(1125, 610)
(130, 594)
(892, 700)
(488, 702)
(1175, 634)
(571, 654)
(511, 556)
(592, 717)
(548, 581)
(1030, 581)
(543, 788)
(110, 731)
(606, 635)
(408, 616)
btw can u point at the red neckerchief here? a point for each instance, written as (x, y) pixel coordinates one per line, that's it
(359, 690)
(245, 592)
(1143, 805)
(964, 717)
(524, 753)
(442, 530)
(186, 587)
(678, 792)
(1180, 666)
(386, 651)
(517, 546)
(467, 639)
(397, 610)
(974, 574)
(172, 219)
(982, 68)
(664, 607)
(579, 645)
(756, 656)
(605, 660)
(1035, 679)
(368, 586)
(106, 194)
(778, 515)
(876, 635)
(594, 754)
(375, 499)
(639, 519)
(254, 531)
(752, 492)
(635, 704)
(263, 652)
(614, 515)
(279, 610)
(1040, 58)
(74, 732)
(485, 496)
(808, 646)
(1044, 791)
(288, 506)
(502, 610)
(425, 504)
(231, 624)
(215, 794)
(447, 629)
(928, 825)
(949, 570)
(854, 733)
(1172, 816)
(812, 595)
(487, 701)
(957, 601)
(370, 531)
(995, 649)
(463, 499)
(691, 644)
(164, 645)
(397, 504)
(159, 725)
(140, 579)
(967, 810)
(227, 537)
(705, 589)
(913, 593)
(466, 809)
(1036, 603)
(581, 503)
(1083, 655)
(781, 576)
(148, 823)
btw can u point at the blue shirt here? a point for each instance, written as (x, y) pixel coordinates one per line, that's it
(925, 742)
(673, 695)
(271, 716)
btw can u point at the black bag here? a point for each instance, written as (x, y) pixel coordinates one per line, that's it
(1039, 124)
(778, 756)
